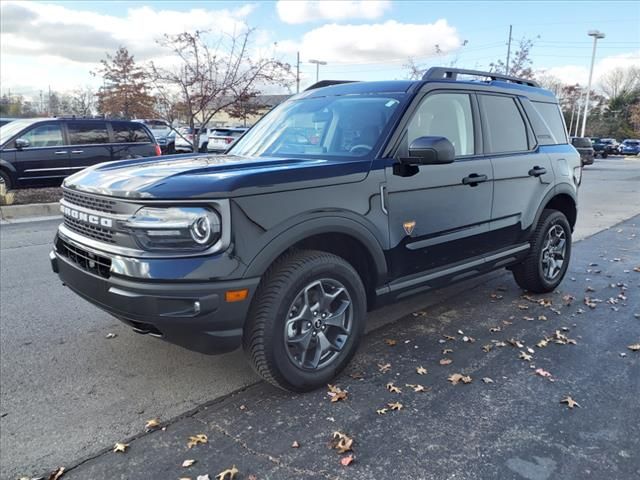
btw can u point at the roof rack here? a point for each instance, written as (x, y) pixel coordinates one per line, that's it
(442, 73)
(327, 83)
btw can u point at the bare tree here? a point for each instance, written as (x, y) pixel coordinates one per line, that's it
(212, 77)
(83, 101)
(520, 64)
(620, 81)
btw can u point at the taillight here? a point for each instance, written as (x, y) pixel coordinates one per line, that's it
(158, 150)
(229, 139)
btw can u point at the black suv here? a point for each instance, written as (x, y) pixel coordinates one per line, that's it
(38, 152)
(340, 199)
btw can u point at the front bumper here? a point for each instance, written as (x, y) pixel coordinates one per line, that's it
(193, 315)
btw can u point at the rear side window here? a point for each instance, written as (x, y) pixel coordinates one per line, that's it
(129, 133)
(48, 135)
(87, 133)
(504, 126)
(550, 113)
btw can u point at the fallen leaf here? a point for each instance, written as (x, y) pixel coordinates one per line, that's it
(341, 442)
(194, 440)
(570, 402)
(419, 314)
(458, 377)
(416, 388)
(188, 463)
(568, 299)
(542, 317)
(635, 347)
(487, 380)
(636, 269)
(421, 370)
(346, 460)
(381, 411)
(501, 344)
(447, 350)
(495, 329)
(487, 348)
(295, 444)
(523, 307)
(468, 339)
(384, 368)
(336, 393)
(525, 356)
(203, 477)
(392, 388)
(111, 335)
(446, 361)
(120, 447)
(395, 406)
(228, 474)
(542, 343)
(516, 343)
(357, 375)
(529, 319)
(391, 342)
(57, 473)
(542, 373)
(151, 424)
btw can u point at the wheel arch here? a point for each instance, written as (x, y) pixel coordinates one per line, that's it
(563, 200)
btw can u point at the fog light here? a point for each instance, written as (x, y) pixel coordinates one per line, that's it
(236, 295)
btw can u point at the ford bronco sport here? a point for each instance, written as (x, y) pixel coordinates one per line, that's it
(343, 197)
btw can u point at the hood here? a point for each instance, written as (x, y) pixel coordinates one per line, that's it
(213, 176)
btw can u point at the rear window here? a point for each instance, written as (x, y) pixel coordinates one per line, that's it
(87, 133)
(632, 143)
(581, 142)
(506, 130)
(226, 133)
(129, 133)
(550, 113)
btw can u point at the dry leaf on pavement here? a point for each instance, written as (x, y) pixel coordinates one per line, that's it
(336, 393)
(120, 447)
(381, 411)
(635, 347)
(228, 474)
(446, 361)
(570, 402)
(395, 406)
(416, 388)
(203, 477)
(391, 342)
(392, 388)
(487, 380)
(341, 442)
(384, 368)
(525, 356)
(447, 350)
(346, 460)
(188, 463)
(458, 377)
(542, 373)
(151, 424)
(57, 473)
(194, 440)
(111, 335)
(421, 370)
(295, 444)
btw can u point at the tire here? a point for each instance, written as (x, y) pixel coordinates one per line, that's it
(530, 273)
(5, 180)
(279, 300)
(605, 155)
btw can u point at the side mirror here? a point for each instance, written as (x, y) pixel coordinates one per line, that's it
(430, 151)
(22, 143)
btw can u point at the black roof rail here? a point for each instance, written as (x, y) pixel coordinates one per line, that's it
(327, 83)
(443, 73)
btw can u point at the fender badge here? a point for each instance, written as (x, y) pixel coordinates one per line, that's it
(409, 226)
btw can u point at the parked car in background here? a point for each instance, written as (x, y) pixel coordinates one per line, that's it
(5, 120)
(43, 151)
(221, 139)
(585, 149)
(630, 147)
(185, 137)
(162, 132)
(604, 146)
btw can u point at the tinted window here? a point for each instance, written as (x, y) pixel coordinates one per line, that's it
(49, 135)
(84, 133)
(581, 142)
(129, 133)
(445, 115)
(504, 125)
(550, 113)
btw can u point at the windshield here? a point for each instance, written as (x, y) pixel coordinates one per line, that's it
(581, 142)
(10, 129)
(341, 126)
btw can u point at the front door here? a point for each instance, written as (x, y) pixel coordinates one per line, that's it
(440, 215)
(46, 159)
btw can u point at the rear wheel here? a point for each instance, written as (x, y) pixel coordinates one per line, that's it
(5, 181)
(306, 320)
(546, 264)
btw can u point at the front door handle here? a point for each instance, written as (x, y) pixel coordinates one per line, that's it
(537, 171)
(61, 152)
(77, 151)
(474, 179)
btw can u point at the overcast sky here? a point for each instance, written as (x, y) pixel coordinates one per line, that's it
(58, 44)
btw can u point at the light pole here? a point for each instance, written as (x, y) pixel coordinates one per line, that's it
(318, 63)
(596, 36)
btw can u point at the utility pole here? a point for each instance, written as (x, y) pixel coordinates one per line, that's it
(506, 68)
(575, 134)
(596, 36)
(49, 102)
(318, 63)
(298, 73)
(573, 111)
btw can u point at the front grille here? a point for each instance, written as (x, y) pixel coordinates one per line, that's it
(92, 231)
(90, 262)
(89, 201)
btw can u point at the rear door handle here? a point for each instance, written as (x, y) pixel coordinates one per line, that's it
(61, 152)
(537, 171)
(77, 151)
(474, 179)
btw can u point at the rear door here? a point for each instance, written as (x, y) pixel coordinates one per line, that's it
(89, 143)
(522, 172)
(46, 159)
(131, 140)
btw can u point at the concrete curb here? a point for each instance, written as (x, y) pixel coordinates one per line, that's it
(11, 213)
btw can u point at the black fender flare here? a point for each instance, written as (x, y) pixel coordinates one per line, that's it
(560, 189)
(307, 228)
(8, 167)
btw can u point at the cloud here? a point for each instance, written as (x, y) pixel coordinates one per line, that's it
(379, 43)
(572, 74)
(303, 11)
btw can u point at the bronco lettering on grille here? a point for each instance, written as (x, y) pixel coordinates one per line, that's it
(86, 217)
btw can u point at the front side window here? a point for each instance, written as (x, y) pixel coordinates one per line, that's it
(445, 115)
(337, 126)
(87, 133)
(504, 125)
(49, 135)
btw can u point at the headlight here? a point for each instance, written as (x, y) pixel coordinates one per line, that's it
(175, 228)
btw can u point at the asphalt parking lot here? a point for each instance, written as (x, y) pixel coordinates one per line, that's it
(68, 392)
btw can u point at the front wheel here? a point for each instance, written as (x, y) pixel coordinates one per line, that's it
(548, 259)
(306, 320)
